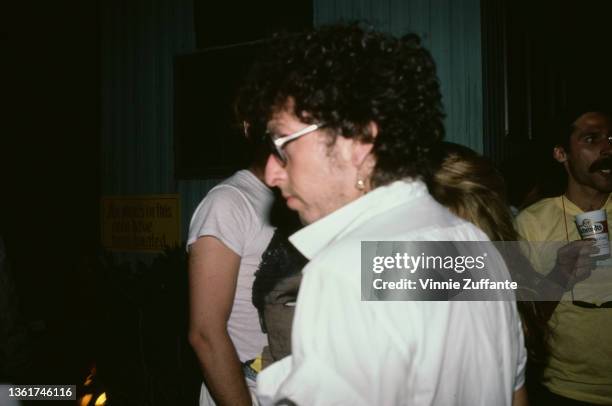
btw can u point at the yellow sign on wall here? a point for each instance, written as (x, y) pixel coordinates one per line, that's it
(140, 223)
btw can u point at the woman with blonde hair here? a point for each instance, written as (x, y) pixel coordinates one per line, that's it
(473, 189)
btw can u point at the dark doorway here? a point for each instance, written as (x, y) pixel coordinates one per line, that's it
(540, 58)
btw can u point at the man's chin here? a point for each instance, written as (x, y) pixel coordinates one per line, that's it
(307, 218)
(604, 186)
(602, 181)
(304, 221)
(293, 204)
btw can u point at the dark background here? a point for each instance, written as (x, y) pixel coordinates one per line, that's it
(50, 171)
(229, 42)
(540, 60)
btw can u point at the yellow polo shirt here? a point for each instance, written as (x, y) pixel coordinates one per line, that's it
(580, 365)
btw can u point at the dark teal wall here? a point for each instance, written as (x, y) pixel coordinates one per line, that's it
(450, 29)
(140, 39)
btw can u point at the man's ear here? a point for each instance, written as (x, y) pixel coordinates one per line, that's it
(361, 150)
(559, 154)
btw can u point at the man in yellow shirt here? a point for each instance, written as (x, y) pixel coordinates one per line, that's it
(579, 369)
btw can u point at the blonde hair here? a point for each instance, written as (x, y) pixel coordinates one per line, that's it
(470, 186)
(473, 189)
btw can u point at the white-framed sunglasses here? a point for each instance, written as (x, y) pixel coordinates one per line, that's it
(277, 143)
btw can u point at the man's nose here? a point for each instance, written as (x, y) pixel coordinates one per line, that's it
(275, 172)
(606, 148)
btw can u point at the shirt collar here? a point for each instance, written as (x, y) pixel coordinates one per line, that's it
(313, 238)
(571, 207)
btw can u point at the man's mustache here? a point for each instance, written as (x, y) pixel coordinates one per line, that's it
(600, 164)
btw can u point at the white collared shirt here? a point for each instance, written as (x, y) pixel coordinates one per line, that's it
(350, 352)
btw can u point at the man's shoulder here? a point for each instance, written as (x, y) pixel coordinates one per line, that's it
(227, 198)
(224, 196)
(241, 184)
(538, 210)
(239, 181)
(422, 220)
(247, 185)
(402, 224)
(537, 222)
(430, 221)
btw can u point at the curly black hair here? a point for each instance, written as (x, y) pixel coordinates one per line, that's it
(348, 76)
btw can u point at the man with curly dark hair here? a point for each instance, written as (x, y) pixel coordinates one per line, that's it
(353, 116)
(401, 90)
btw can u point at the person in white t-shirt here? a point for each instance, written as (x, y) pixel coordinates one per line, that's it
(228, 233)
(353, 115)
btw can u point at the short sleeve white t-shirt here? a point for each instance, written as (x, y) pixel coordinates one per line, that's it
(237, 213)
